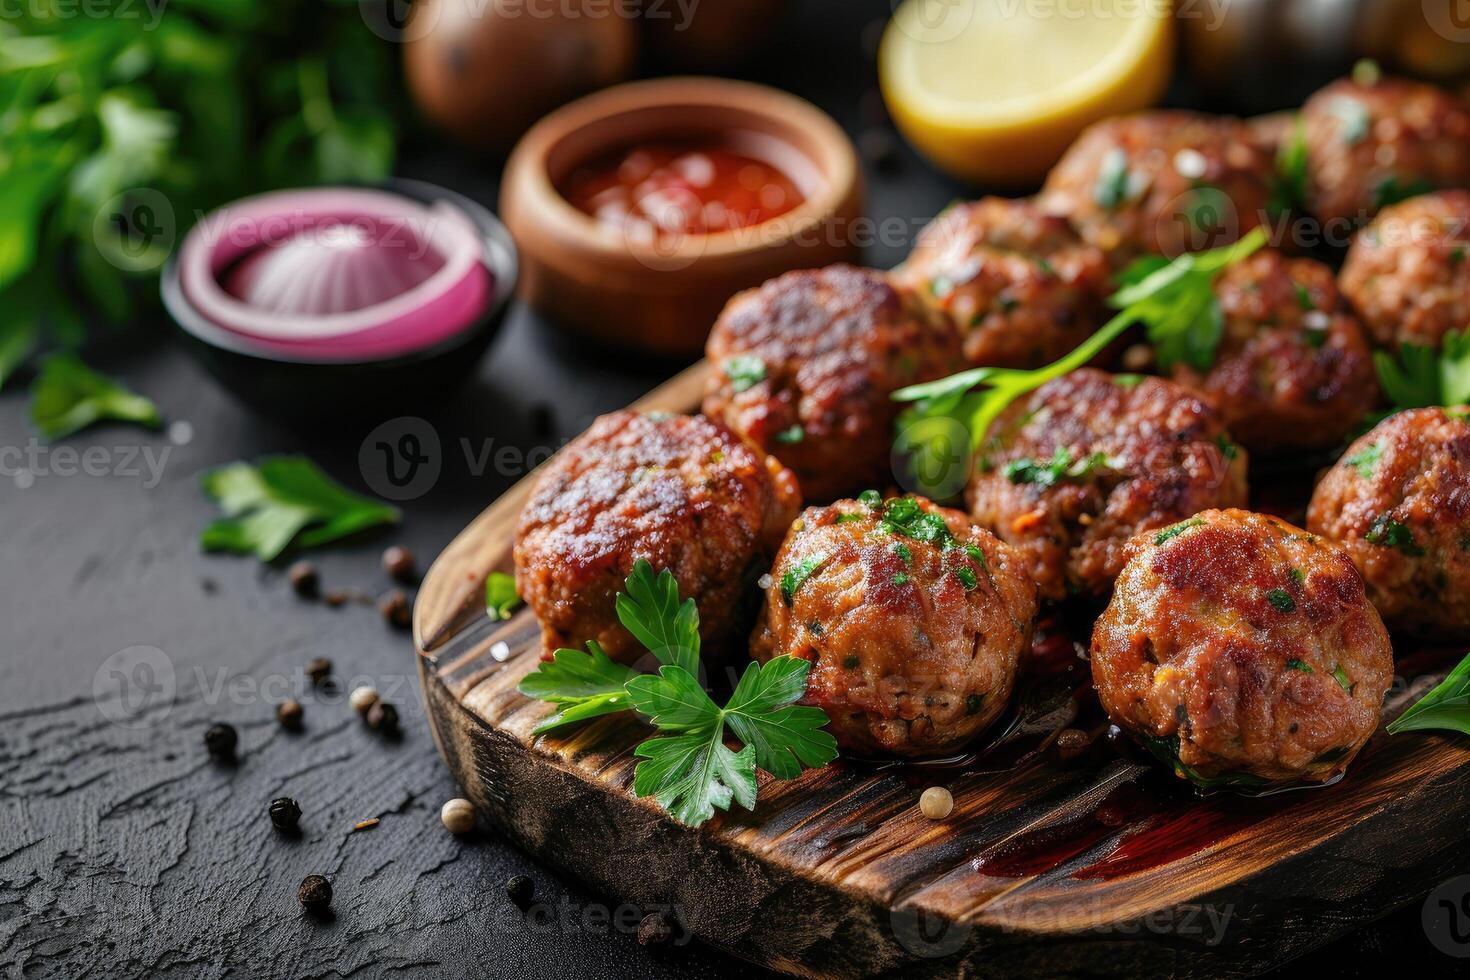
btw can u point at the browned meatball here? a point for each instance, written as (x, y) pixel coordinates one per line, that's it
(1399, 502)
(1070, 474)
(914, 621)
(1162, 182)
(808, 362)
(1406, 273)
(1242, 650)
(1019, 284)
(682, 492)
(1293, 370)
(1370, 144)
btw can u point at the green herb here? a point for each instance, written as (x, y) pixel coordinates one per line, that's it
(796, 576)
(118, 129)
(1353, 117)
(1061, 467)
(1281, 601)
(1227, 448)
(851, 662)
(1166, 750)
(1457, 255)
(1127, 380)
(1390, 191)
(976, 555)
(973, 703)
(1174, 300)
(1365, 461)
(900, 578)
(284, 501)
(582, 685)
(871, 498)
(745, 372)
(68, 396)
(1390, 533)
(1447, 706)
(1113, 181)
(1366, 72)
(687, 767)
(904, 516)
(1297, 575)
(1300, 665)
(1342, 679)
(500, 595)
(902, 551)
(967, 577)
(848, 518)
(1304, 298)
(1422, 377)
(941, 286)
(1174, 531)
(1289, 183)
(791, 436)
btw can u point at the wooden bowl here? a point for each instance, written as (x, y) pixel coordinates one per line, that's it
(662, 297)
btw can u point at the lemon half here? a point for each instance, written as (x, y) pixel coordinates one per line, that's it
(995, 90)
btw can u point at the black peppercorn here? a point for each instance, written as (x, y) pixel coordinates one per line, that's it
(383, 717)
(304, 579)
(285, 815)
(395, 610)
(319, 670)
(655, 929)
(288, 713)
(315, 893)
(520, 889)
(398, 563)
(221, 741)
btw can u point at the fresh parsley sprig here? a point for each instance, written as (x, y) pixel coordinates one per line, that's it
(688, 767)
(67, 396)
(1447, 706)
(1422, 377)
(1174, 300)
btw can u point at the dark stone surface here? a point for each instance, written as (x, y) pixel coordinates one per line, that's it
(126, 851)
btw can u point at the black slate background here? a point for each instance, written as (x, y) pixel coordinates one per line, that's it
(125, 852)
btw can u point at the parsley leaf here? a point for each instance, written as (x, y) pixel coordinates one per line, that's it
(1175, 530)
(585, 685)
(1389, 533)
(284, 500)
(67, 396)
(1281, 601)
(1365, 461)
(1447, 706)
(1061, 467)
(650, 610)
(1422, 377)
(762, 715)
(745, 372)
(501, 598)
(797, 575)
(692, 775)
(1300, 665)
(1174, 300)
(791, 436)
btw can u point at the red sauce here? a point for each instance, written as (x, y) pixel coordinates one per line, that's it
(658, 190)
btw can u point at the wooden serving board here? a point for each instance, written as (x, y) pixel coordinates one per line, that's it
(1093, 865)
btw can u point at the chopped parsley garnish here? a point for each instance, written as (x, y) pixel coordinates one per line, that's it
(1342, 679)
(796, 576)
(1281, 601)
(1127, 380)
(847, 518)
(900, 578)
(1354, 118)
(967, 577)
(1300, 665)
(1389, 533)
(745, 372)
(1174, 531)
(871, 498)
(1289, 183)
(1112, 185)
(1447, 706)
(1304, 298)
(791, 436)
(688, 767)
(902, 551)
(1390, 191)
(1365, 461)
(1061, 467)
(1297, 575)
(1228, 449)
(500, 595)
(1166, 750)
(973, 703)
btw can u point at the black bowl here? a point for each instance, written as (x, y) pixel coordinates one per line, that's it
(335, 392)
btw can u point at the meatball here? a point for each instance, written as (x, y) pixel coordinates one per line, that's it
(1399, 503)
(1372, 143)
(1293, 370)
(1243, 651)
(1162, 182)
(682, 492)
(1406, 273)
(1070, 474)
(809, 361)
(914, 621)
(1019, 284)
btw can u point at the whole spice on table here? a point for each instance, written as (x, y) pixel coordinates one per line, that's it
(655, 929)
(315, 893)
(221, 740)
(318, 670)
(398, 563)
(289, 713)
(458, 816)
(362, 698)
(285, 815)
(395, 609)
(304, 579)
(521, 889)
(383, 717)
(936, 803)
